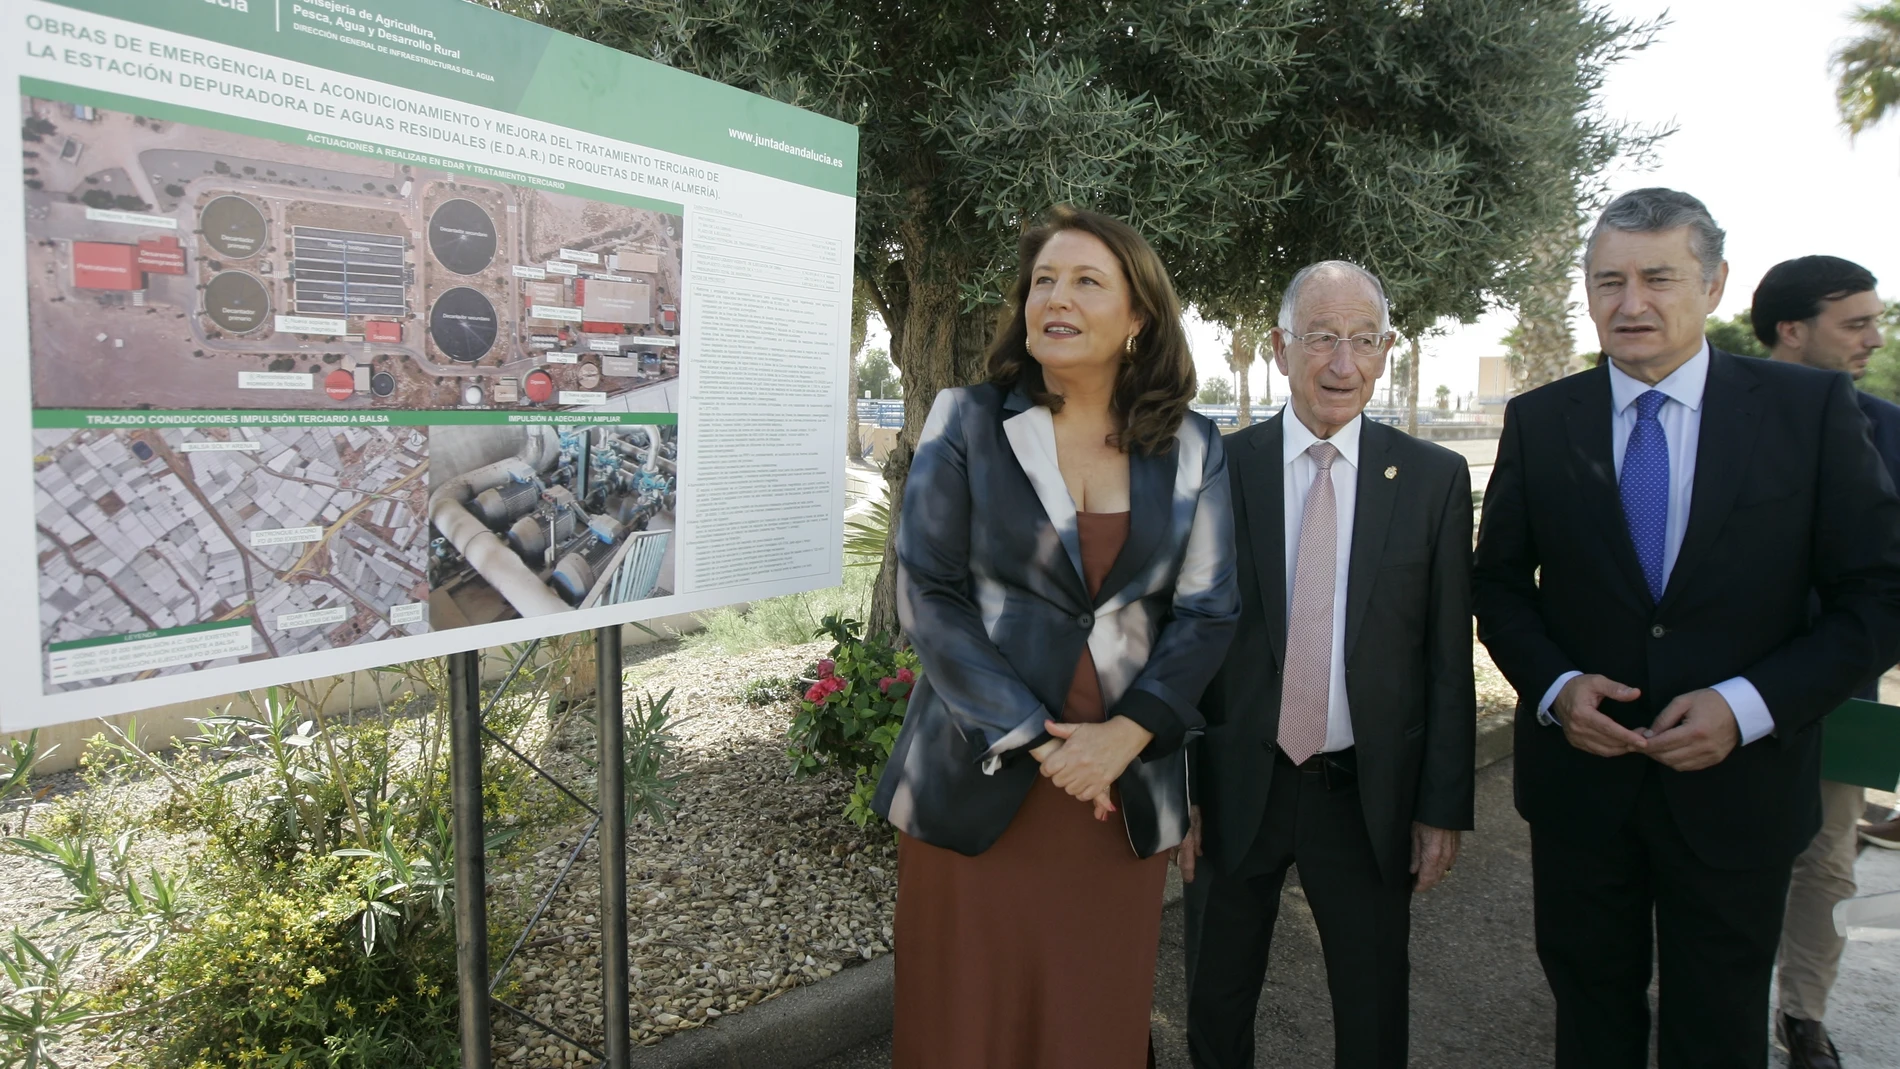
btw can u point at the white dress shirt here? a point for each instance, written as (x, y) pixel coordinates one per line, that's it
(1681, 419)
(1300, 471)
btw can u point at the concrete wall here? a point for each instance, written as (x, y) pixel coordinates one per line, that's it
(161, 724)
(881, 440)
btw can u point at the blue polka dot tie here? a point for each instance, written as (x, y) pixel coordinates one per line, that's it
(1645, 489)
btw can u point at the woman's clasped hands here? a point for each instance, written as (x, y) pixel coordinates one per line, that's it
(1085, 760)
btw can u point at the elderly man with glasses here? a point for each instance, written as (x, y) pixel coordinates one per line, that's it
(1340, 728)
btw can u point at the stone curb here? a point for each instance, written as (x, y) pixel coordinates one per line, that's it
(802, 1027)
(808, 1024)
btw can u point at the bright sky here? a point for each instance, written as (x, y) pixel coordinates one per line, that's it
(1747, 86)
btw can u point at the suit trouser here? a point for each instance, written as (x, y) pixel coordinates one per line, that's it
(1364, 927)
(1823, 876)
(1715, 930)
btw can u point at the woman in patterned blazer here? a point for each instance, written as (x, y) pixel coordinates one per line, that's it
(1066, 576)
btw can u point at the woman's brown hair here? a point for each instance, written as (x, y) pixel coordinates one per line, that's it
(1153, 386)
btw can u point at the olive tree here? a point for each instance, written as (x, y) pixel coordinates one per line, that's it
(1426, 139)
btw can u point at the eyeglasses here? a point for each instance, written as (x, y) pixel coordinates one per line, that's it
(1322, 343)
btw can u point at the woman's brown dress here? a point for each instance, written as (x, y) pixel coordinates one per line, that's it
(1040, 952)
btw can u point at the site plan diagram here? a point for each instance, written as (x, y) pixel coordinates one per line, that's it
(172, 266)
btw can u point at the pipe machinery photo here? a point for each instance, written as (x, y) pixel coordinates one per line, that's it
(536, 519)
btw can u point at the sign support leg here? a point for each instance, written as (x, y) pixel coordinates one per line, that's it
(612, 802)
(471, 877)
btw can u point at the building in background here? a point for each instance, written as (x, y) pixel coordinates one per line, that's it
(1495, 384)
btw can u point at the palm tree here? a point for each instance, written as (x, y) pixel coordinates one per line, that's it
(1869, 68)
(1242, 349)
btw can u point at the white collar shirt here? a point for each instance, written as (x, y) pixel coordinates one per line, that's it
(1300, 470)
(1681, 419)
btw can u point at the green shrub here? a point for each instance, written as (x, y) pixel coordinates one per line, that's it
(852, 711)
(281, 978)
(768, 690)
(309, 920)
(782, 621)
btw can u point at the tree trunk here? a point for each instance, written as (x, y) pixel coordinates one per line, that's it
(860, 320)
(1244, 409)
(1411, 390)
(1242, 349)
(1542, 346)
(937, 347)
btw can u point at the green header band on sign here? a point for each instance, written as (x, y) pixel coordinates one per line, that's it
(472, 53)
(152, 109)
(122, 419)
(140, 636)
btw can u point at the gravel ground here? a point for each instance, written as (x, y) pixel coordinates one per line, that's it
(754, 886)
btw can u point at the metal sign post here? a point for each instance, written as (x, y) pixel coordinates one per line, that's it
(474, 982)
(471, 876)
(611, 795)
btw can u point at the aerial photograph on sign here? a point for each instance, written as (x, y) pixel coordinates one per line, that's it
(175, 266)
(535, 519)
(165, 550)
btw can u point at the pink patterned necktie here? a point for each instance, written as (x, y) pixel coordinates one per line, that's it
(1305, 683)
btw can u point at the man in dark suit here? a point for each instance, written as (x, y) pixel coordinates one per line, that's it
(1653, 532)
(1822, 312)
(1340, 729)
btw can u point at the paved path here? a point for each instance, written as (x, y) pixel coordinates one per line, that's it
(1480, 453)
(1478, 996)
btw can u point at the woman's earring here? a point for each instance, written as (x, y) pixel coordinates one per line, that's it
(1128, 347)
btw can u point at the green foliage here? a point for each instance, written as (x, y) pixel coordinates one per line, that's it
(781, 621)
(769, 690)
(22, 756)
(866, 533)
(276, 980)
(1868, 67)
(310, 921)
(646, 751)
(1443, 396)
(851, 713)
(1736, 334)
(877, 375)
(1245, 137)
(1216, 391)
(40, 1006)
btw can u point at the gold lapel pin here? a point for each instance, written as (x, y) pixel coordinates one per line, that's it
(1392, 472)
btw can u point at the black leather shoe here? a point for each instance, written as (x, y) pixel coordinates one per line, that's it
(1807, 1043)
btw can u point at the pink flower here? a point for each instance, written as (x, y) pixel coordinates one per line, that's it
(904, 675)
(833, 684)
(826, 667)
(816, 694)
(884, 685)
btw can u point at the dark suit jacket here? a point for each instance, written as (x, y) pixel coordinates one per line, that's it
(1883, 424)
(1407, 646)
(991, 595)
(1790, 498)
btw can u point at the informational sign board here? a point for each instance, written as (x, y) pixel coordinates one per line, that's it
(343, 332)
